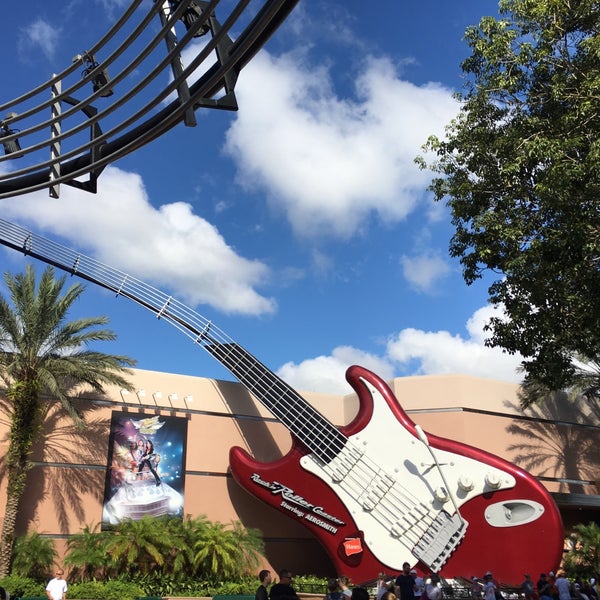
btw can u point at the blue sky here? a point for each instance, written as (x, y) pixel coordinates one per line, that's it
(300, 224)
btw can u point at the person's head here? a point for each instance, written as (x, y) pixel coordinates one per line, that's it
(389, 595)
(527, 576)
(140, 443)
(285, 576)
(413, 572)
(149, 445)
(406, 568)
(59, 573)
(2, 593)
(360, 593)
(265, 576)
(333, 585)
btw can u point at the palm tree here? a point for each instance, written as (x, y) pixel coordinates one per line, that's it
(44, 360)
(139, 546)
(87, 554)
(33, 556)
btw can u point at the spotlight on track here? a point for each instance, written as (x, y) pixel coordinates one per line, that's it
(191, 15)
(10, 146)
(101, 79)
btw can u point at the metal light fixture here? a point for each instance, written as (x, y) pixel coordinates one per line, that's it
(140, 394)
(192, 14)
(10, 146)
(101, 79)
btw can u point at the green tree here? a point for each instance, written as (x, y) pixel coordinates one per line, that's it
(584, 557)
(139, 546)
(87, 554)
(223, 552)
(519, 169)
(44, 359)
(33, 556)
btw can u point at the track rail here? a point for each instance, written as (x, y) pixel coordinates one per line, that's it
(71, 126)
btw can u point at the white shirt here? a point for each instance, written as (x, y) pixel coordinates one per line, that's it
(57, 587)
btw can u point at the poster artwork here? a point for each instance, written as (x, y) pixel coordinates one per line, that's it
(146, 467)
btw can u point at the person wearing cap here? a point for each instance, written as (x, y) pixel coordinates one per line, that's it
(489, 587)
(419, 584)
(475, 588)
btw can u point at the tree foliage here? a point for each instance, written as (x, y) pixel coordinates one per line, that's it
(520, 170)
(45, 360)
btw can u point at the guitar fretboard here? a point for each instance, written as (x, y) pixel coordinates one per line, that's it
(311, 428)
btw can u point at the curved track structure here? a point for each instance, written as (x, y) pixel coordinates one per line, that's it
(130, 88)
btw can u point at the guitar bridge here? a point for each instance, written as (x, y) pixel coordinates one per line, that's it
(441, 539)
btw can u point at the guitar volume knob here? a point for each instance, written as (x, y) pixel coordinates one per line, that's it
(492, 480)
(465, 483)
(441, 495)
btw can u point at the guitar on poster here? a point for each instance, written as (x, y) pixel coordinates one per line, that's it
(376, 493)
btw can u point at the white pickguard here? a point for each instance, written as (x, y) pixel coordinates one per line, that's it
(399, 459)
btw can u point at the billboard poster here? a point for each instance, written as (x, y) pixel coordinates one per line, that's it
(146, 467)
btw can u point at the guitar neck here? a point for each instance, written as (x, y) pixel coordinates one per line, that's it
(310, 427)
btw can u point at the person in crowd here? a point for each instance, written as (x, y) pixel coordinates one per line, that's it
(543, 587)
(384, 584)
(405, 584)
(334, 591)
(262, 592)
(553, 588)
(419, 584)
(57, 587)
(389, 595)
(475, 588)
(563, 585)
(433, 589)
(344, 584)
(489, 587)
(528, 588)
(359, 593)
(283, 589)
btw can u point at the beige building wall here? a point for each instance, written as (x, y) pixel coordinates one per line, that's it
(65, 487)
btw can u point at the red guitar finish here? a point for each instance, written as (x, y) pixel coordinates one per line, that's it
(512, 529)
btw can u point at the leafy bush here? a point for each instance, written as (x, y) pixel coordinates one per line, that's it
(105, 590)
(16, 585)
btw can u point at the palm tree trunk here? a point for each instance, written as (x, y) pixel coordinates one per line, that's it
(25, 425)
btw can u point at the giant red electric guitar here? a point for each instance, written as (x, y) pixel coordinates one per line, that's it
(378, 492)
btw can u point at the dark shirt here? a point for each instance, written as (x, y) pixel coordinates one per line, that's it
(282, 591)
(406, 585)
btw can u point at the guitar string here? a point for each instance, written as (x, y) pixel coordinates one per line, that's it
(197, 327)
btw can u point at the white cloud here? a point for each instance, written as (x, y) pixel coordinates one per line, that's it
(424, 271)
(330, 162)
(410, 352)
(427, 352)
(326, 374)
(168, 246)
(40, 34)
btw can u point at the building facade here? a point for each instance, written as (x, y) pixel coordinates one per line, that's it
(194, 422)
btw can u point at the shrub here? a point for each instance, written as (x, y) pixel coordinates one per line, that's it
(105, 590)
(16, 585)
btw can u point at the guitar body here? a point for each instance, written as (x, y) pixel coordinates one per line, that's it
(379, 504)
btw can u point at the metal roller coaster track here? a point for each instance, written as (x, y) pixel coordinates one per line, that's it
(57, 134)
